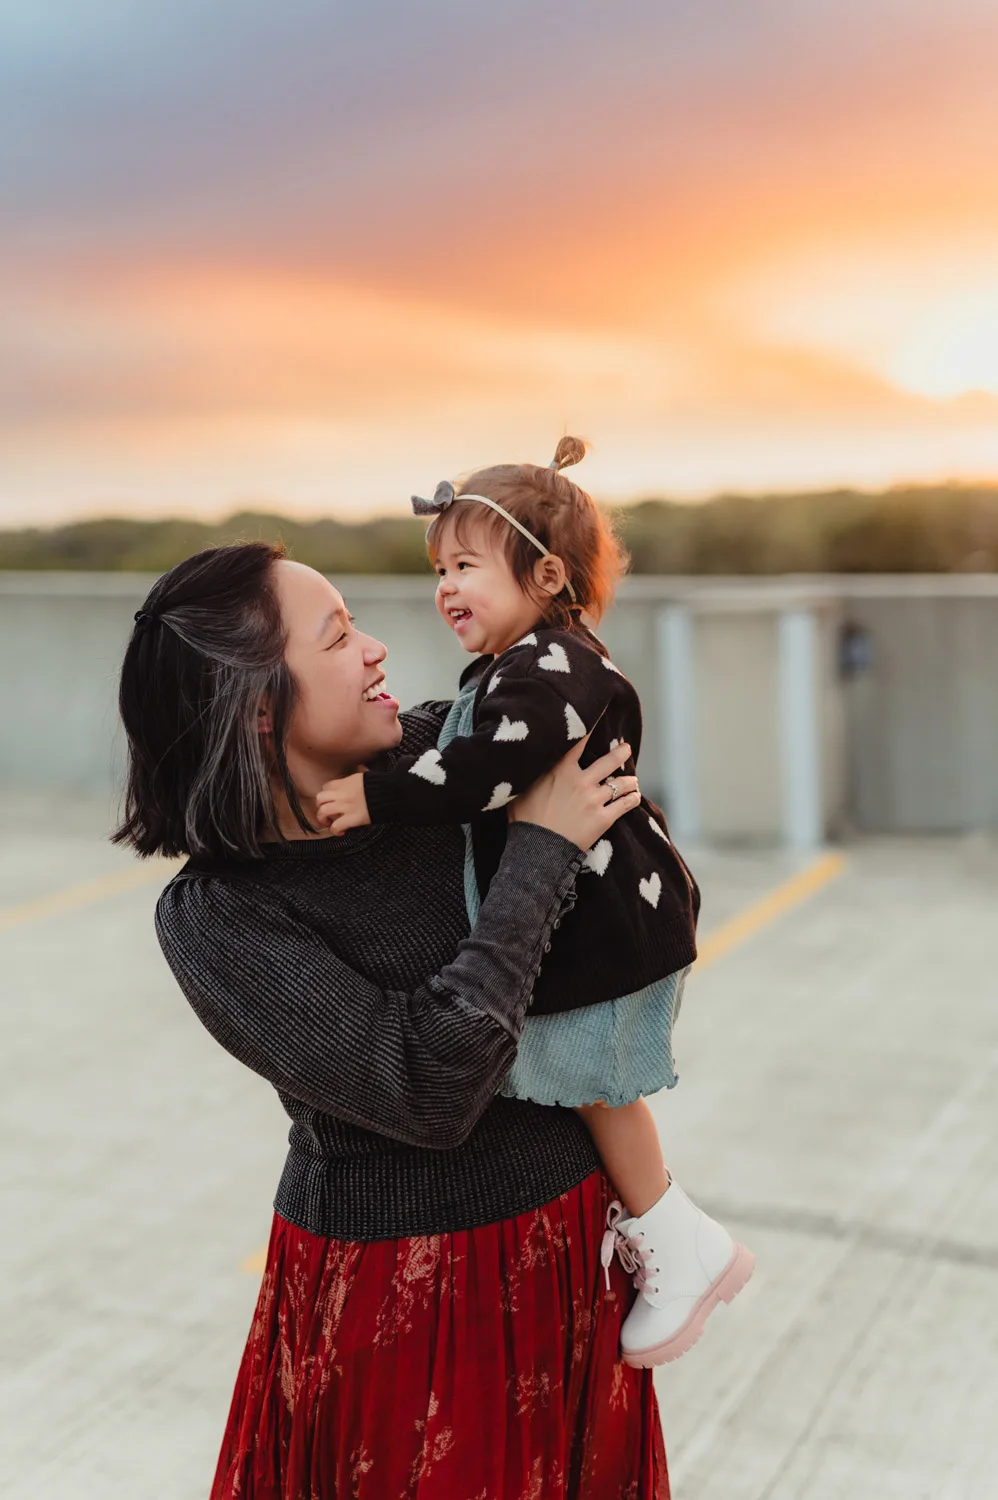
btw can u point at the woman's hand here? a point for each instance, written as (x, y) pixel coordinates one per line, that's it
(341, 805)
(578, 803)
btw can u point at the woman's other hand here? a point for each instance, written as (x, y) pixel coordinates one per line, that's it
(341, 805)
(579, 804)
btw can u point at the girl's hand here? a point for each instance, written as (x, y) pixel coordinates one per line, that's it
(341, 805)
(577, 803)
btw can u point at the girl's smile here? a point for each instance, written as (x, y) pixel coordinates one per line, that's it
(477, 594)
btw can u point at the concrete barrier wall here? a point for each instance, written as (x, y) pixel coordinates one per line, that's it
(63, 635)
(922, 721)
(751, 732)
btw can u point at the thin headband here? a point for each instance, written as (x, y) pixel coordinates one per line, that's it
(443, 498)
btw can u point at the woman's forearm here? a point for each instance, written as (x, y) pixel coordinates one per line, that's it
(497, 963)
(419, 1066)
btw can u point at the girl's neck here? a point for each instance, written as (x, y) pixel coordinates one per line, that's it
(523, 628)
(574, 621)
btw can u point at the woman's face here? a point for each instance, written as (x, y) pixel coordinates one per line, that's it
(343, 716)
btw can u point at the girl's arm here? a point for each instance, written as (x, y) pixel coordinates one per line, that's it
(420, 1065)
(525, 722)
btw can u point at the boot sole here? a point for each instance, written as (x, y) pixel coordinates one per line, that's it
(725, 1289)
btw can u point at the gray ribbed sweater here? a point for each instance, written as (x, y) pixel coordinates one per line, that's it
(342, 971)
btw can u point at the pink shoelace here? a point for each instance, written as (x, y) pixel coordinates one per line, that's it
(627, 1248)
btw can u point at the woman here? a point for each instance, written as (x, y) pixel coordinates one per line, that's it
(433, 1320)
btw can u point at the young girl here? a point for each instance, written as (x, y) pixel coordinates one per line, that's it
(521, 555)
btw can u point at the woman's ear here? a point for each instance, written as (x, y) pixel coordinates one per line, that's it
(264, 718)
(549, 574)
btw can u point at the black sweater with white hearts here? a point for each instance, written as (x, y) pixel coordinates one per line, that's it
(635, 918)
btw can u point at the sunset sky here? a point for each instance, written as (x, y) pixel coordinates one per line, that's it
(312, 257)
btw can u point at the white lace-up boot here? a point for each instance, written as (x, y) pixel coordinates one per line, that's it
(684, 1263)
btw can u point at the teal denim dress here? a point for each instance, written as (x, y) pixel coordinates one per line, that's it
(613, 1052)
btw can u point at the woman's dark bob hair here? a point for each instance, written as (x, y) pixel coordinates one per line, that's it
(206, 657)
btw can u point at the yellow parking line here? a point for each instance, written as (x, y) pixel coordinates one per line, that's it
(776, 903)
(72, 897)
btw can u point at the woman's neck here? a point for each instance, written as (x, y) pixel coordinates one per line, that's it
(288, 825)
(308, 780)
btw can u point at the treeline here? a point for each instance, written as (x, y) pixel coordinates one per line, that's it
(916, 529)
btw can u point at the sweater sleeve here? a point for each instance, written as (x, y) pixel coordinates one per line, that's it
(419, 1066)
(526, 719)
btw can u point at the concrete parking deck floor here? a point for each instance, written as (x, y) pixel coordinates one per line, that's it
(837, 1105)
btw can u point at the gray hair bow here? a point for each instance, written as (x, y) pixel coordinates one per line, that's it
(443, 498)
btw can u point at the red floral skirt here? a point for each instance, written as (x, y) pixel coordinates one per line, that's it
(480, 1365)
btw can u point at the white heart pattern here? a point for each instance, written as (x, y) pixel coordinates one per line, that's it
(657, 828)
(598, 857)
(511, 729)
(610, 666)
(502, 794)
(576, 728)
(614, 744)
(493, 682)
(556, 660)
(428, 767)
(651, 888)
(526, 640)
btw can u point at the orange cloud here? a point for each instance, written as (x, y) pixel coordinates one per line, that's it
(736, 247)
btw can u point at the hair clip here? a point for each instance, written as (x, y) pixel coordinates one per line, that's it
(143, 619)
(443, 498)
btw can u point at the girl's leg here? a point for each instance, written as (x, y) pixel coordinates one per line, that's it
(689, 1262)
(627, 1141)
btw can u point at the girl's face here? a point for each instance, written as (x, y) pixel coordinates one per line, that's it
(477, 594)
(343, 716)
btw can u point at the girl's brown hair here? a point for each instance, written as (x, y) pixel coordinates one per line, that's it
(558, 513)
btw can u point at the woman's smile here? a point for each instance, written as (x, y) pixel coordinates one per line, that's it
(375, 694)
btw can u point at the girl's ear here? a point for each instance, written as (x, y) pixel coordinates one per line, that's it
(264, 718)
(549, 574)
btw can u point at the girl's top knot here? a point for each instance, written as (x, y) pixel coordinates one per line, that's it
(571, 450)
